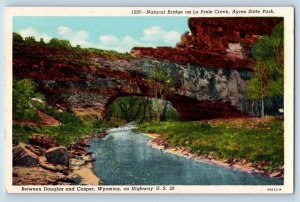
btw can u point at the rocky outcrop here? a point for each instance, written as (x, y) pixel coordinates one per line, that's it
(57, 155)
(23, 156)
(42, 141)
(215, 42)
(37, 150)
(47, 120)
(198, 92)
(210, 76)
(53, 167)
(33, 165)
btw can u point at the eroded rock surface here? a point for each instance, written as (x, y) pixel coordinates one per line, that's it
(42, 140)
(215, 42)
(23, 156)
(57, 155)
(211, 66)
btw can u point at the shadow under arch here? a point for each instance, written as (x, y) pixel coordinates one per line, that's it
(140, 108)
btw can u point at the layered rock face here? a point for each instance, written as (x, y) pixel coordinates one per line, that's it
(212, 85)
(23, 156)
(198, 93)
(215, 42)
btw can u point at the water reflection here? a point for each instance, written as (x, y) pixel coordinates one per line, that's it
(124, 158)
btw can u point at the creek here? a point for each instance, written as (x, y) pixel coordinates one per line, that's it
(124, 157)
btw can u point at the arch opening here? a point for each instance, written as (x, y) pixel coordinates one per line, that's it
(141, 109)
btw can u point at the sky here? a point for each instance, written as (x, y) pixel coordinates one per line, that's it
(104, 32)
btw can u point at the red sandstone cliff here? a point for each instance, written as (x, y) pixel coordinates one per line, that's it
(215, 42)
(84, 81)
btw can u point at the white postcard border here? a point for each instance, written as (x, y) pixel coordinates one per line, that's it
(286, 12)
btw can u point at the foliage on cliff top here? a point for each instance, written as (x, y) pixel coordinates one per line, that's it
(109, 54)
(65, 45)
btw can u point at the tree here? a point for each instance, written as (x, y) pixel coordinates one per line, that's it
(17, 38)
(161, 83)
(59, 43)
(145, 103)
(23, 105)
(30, 40)
(42, 41)
(128, 108)
(267, 79)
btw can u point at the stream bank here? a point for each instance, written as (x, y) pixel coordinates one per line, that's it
(157, 141)
(79, 170)
(125, 157)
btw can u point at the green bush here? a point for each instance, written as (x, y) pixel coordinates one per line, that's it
(30, 40)
(17, 38)
(70, 129)
(23, 105)
(59, 43)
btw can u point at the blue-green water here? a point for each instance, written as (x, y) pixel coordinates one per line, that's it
(124, 158)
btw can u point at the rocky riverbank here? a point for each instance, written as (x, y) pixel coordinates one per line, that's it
(43, 162)
(158, 142)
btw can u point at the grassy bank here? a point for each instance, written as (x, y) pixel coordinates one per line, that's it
(253, 140)
(70, 129)
(33, 115)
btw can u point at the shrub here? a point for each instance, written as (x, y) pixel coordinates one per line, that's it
(23, 105)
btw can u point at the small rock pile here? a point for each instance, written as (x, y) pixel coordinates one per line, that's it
(41, 147)
(57, 163)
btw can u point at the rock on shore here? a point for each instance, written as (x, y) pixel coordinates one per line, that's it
(23, 156)
(57, 155)
(35, 164)
(42, 140)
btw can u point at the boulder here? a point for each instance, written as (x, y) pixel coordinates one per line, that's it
(166, 145)
(276, 174)
(281, 169)
(37, 150)
(249, 164)
(57, 155)
(42, 141)
(23, 156)
(55, 168)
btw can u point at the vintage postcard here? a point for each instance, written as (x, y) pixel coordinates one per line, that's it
(149, 100)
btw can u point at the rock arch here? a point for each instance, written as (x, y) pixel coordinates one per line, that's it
(210, 82)
(199, 92)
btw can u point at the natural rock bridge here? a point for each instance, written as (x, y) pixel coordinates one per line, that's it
(211, 66)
